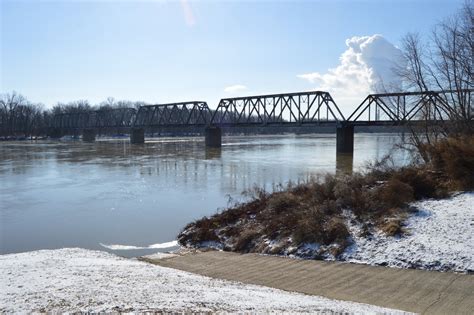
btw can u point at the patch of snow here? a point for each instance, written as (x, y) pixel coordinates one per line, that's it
(73, 279)
(211, 244)
(440, 237)
(306, 250)
(129, 247)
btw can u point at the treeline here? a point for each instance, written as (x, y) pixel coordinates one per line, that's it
(21, 118)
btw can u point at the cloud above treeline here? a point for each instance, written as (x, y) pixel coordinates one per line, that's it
(235, 88)
(365, 67)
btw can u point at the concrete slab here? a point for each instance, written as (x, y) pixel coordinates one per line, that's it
(420, 291)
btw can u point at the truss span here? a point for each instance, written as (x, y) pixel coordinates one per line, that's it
(402, 108)
(314, 107)
(182, 114)
(117, 118)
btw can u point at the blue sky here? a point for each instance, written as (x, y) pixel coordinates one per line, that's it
(164, 51)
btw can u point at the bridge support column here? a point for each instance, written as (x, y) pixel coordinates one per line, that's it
(88, 135)
(137, 136)
(213, 137)
(345, 139)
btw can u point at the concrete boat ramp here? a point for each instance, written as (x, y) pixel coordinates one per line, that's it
(419, 291)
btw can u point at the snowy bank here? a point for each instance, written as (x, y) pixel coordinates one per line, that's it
(440, 237)
(70, 280)
(437, 234)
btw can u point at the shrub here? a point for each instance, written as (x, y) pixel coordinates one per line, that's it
(424, 183)
(243, 242)
(392, 227)
(303, 190)
(199, 231)
(335, 231)
(351, 192)
(454, 157)
(394, 193)
(278, 225)
(309, 227)
(283, 202)
(324, 190)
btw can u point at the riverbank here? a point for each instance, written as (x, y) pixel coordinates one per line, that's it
(407, 217)
(80, 280)
(438, 236)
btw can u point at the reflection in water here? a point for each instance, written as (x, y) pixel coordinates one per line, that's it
(57, 194)
(344, 163)
(213, 153)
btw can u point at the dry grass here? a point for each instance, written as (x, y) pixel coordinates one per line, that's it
(454, 158)
(424, 182)
(394, 193)
(392, 226)
(244, 240)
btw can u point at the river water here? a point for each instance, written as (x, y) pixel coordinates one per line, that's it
(75, 194)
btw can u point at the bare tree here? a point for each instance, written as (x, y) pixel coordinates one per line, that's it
(445, 62)
(11, 105)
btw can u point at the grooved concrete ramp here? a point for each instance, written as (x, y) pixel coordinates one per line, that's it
(411, 290)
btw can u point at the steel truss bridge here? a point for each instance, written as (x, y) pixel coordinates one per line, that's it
(315, 108)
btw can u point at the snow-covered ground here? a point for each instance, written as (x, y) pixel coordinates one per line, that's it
(440, 237)
(72, 279)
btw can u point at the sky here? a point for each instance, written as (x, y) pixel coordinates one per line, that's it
(168, 51)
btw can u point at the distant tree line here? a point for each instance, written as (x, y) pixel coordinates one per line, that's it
(22, 118)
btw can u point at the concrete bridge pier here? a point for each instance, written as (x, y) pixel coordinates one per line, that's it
(137, 135)
(345, 139)
(213, 136)
(88, 135)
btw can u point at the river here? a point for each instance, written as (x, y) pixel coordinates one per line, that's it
(74, 194)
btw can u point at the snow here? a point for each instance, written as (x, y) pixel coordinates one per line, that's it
(73, 279)
(440, 237)
(129, 247)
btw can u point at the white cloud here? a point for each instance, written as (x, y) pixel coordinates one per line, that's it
(365, 67)
(235, 88)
